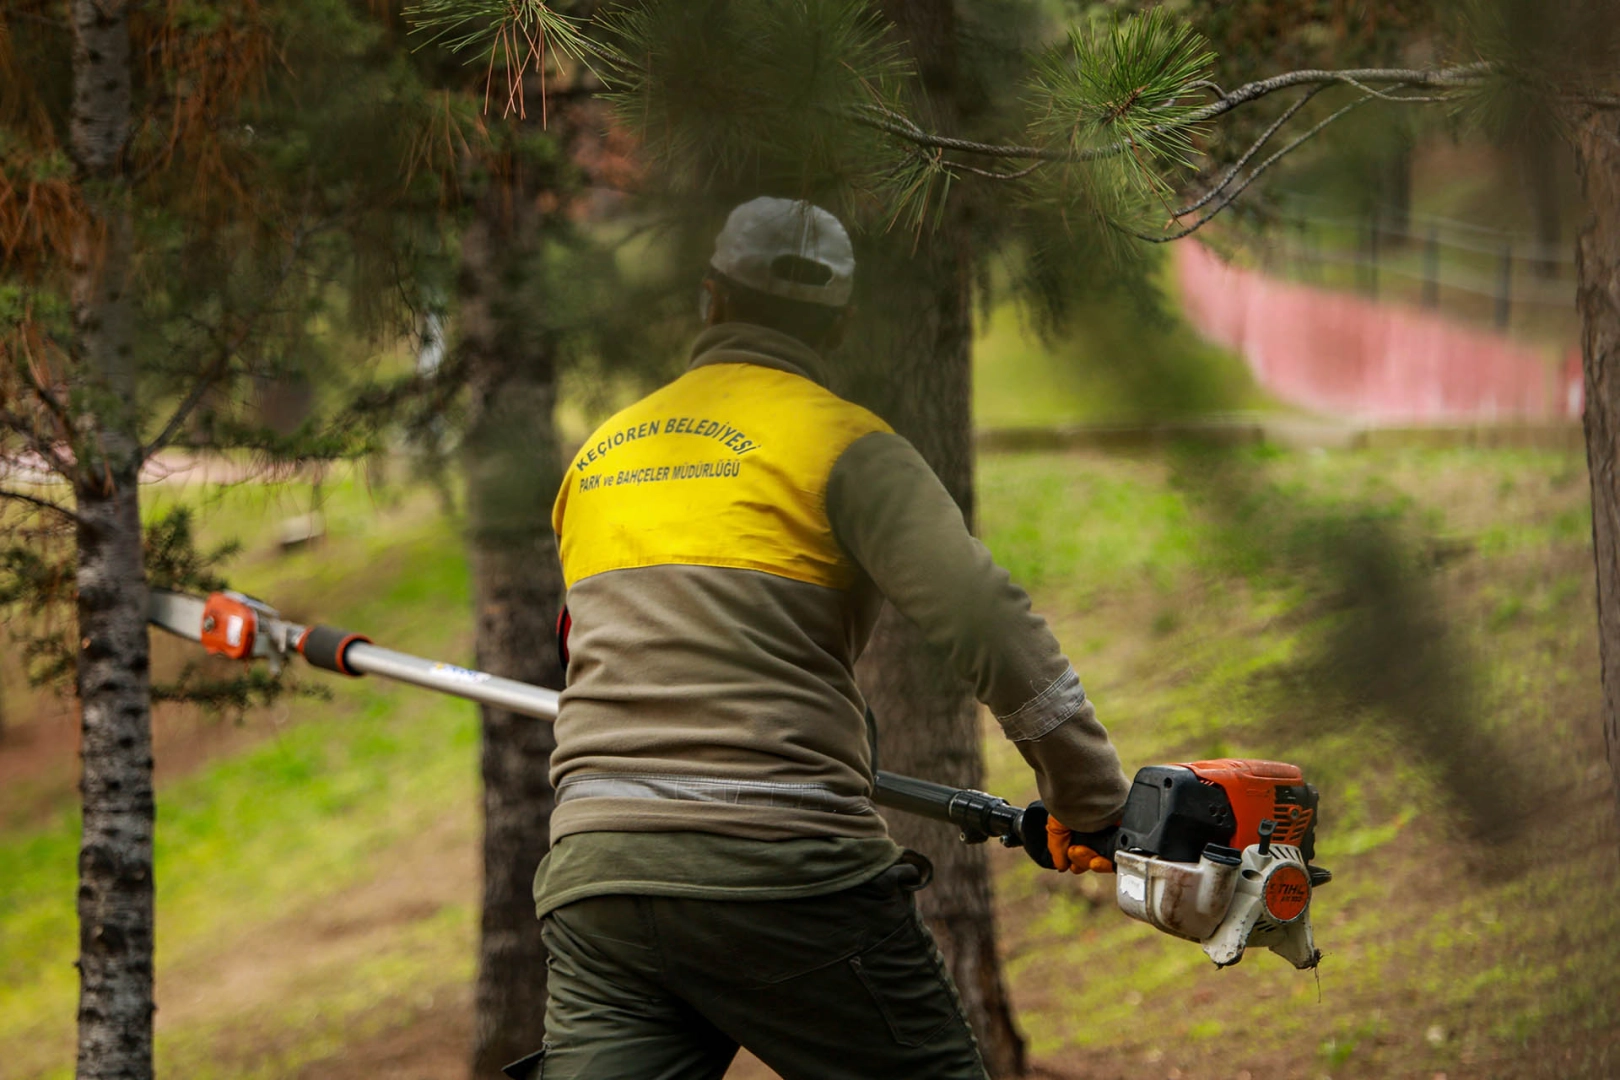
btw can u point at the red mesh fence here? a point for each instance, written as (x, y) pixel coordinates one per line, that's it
(1347, 356)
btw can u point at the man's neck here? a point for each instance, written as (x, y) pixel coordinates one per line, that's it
(750, 343)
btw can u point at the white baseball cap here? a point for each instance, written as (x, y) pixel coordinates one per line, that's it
(767, 243)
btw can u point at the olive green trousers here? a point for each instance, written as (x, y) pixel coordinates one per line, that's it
(846, 985)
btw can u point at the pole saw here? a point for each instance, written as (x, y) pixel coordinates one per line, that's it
(1217, 852)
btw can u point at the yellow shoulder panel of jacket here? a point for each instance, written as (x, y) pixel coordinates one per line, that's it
(726, 466)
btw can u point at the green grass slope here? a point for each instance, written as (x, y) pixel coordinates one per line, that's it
(1444, 956)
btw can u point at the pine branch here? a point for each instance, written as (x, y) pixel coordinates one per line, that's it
(733, 95)
(234, 694)
(38, 503)
(1443, 78)
(1586, 97)
(24, 429)
(892, 123)
(205, 382)
(53, 404)
(228, 349)
(991, 174)
(524, 32)
(1125, 87)
(1248, 154)
(1293, 145)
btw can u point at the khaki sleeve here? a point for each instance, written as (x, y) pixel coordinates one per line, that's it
(896, 520)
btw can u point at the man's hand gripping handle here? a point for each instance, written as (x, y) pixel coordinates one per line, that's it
(1078, 852)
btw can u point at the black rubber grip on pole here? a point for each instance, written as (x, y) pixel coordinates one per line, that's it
(325, 646)
(914, 796)
(1032, 831)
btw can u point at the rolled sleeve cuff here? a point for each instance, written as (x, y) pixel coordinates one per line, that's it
(1046, 710)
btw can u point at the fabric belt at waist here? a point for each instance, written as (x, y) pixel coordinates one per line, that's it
(763, 793)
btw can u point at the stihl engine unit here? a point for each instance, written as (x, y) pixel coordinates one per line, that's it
(1218, 852)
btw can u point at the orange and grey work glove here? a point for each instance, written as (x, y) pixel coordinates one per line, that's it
(1075, 858)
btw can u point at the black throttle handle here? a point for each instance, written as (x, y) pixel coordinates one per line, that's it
(1104, 841)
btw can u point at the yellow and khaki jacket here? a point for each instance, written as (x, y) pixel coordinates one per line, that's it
(727, 542)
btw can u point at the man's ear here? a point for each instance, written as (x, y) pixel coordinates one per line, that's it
(714, 311)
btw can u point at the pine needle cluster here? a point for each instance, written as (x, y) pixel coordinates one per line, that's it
(1125, 92)
(727, 95)
(516, 36)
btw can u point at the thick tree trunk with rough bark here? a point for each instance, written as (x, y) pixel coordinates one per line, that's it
(1597, 149)
(913, 365)
(115, 854)
(512, 470)
(927, 718)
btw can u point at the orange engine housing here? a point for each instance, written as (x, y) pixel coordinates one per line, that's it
(1259, 790)
(1175, 811)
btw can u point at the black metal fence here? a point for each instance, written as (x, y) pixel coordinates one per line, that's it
(1475, 272)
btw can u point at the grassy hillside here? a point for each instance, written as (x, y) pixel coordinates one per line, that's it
(317, 868)
(1111, 367)
(1445, 955)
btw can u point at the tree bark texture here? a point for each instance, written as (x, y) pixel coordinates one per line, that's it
(115, 853)
(913, 366)
(1597, 268)
(512, 470)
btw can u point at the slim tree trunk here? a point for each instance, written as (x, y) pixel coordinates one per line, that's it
(1597, 263)
(917, 354)
(512, 470)
(115, 854)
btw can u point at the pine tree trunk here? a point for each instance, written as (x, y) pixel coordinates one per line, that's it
(927, 718)
(916, 359)
(1597, 263)
(115, 854)
(512, 470)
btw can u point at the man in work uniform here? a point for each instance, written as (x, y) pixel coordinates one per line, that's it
(719, 875)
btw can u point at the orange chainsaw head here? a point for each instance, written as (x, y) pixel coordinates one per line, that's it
(229, 625)
(1259, 790)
